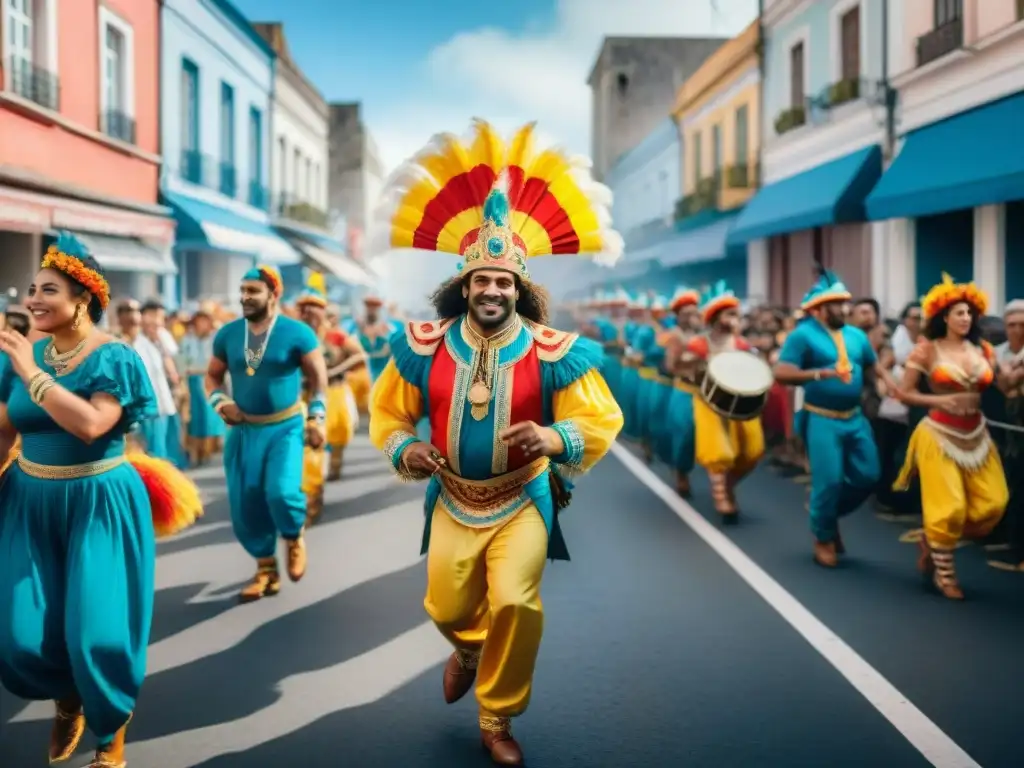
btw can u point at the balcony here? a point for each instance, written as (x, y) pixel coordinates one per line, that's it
(228, 180)
(258, 195)
(703, 198)
(118, 125)
(743, 176)
(195, 168)
(33, 83)
(939, 42)
(292, 207)
(790, 118)
(843, 92)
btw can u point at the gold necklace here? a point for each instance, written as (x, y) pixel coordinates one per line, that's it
(479, 395)
(60, 361)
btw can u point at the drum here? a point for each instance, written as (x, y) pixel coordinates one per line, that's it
(736, 385)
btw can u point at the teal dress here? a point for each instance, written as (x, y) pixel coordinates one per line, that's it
(378, 348)
(77, 554)
(840, 443)
(194, 358)
(263, 462)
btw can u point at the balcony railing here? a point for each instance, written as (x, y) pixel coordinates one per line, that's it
(194, 167)
(293, 207)
(940, 41)
(33, 83)
(228, 180)
(118, 125)
(258, 195)
(704, 197)
(790, 118)
(743, 176)
(844, 91)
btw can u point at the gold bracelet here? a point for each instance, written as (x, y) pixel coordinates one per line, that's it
(41, 381)
(41, 390)
(34, 382)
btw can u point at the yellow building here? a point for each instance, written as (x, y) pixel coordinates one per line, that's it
(718, 111)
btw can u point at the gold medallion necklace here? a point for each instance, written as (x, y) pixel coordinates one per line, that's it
(486, 352)
(60, 361)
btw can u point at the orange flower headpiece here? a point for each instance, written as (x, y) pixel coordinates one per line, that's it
(947, 293)
(68, 255)
(684, 297)
(268, 275)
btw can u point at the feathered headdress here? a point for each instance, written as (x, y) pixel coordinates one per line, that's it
(619, 298)
(495, 204)
(947, 293)
(268, 275)
(716, 298)
(827, 289)
(68, 255)
(659, 304)
(684, 297)
(640, 302)
(315, 292)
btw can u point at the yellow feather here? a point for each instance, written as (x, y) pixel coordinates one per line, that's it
(317, 282)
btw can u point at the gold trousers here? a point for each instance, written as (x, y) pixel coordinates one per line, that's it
(342, 415)
(312, 471)
(955, 502)
(359, 381)
(483, 593)
(725, 445)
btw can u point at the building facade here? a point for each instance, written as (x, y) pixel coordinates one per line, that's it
(299, 159)
(356, 175)
(79, 138)
(824, 129)
(217, 80)
(717, 113)
(953, 198)
(633, 85)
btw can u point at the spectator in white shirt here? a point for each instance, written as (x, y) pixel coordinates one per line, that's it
(153, 432)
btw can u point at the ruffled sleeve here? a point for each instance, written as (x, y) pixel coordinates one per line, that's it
(588, 420)
(6, 378)
(921, 357)
(116, 369)
(395, 409)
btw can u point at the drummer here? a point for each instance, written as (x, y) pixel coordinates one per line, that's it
(727, 448)
(827, 358)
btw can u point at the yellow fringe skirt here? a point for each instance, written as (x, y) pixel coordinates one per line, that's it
(959, 499)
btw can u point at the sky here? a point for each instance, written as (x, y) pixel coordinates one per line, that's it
(422, 67)
(425, 66)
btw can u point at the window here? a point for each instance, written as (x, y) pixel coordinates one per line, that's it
(796, 75)
(30, 49)
(117, 61)
(849, 33)
(948, 11)
(191, 164)
(256, 145)
(227, 124)
(742, 135)
(282, 171)
(296, 170)
(309, 181)
(697, 157)
(716, 149)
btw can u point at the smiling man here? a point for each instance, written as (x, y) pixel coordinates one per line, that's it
(514, 406)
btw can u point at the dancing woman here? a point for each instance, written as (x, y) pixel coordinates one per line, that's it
(77, 518)
(963, 488)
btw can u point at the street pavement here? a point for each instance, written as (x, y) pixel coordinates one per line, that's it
(669, 641)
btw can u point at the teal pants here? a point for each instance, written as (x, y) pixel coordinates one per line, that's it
(844, 468)
(680, 425)
(263, 468)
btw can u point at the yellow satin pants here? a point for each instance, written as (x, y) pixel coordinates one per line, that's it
(726, 445)
(483, 593)
(359, 382)
(955, 502)
(342, 415)
(312, 471)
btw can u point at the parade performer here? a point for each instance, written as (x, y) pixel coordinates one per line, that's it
(728, 449)
(374, 332)
(827, 358)
(656, 432)
(684, 306)
(963, 488)
(267, 356)
(514, 406)
(205, 429)
(77, 514)
(613, 329)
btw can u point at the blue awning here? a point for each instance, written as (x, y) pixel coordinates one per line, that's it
(831, 193)
(206, 227)
(706, 243)
(971, 159)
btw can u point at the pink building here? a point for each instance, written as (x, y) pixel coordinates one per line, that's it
(79, 130)
(953, 197)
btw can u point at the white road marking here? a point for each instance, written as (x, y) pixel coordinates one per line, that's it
(931, 741)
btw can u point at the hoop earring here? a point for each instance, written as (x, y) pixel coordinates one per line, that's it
(78, 317)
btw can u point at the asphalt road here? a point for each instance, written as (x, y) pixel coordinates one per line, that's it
(665, 645)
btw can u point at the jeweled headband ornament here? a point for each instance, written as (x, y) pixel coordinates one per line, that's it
(496, 204)
(67, 255)
(268, 275)
(947, 293)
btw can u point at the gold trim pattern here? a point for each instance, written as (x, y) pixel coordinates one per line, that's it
(457, 408)
(274, 418)
(70, 472)
(829, 413)
(502, 418)
(483, 503)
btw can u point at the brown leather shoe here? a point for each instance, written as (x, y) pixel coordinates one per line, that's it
(266, 582)
(825, 554)
(459, 675)
(67, 730)
(111, 755)
(297, 558)
(496, 737)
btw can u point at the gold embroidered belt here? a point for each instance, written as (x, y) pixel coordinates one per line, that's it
(482, 503)
(687, 387)
(662, 379)
(299, 409)
(648, 373)
(830, 414)
(70, 472)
